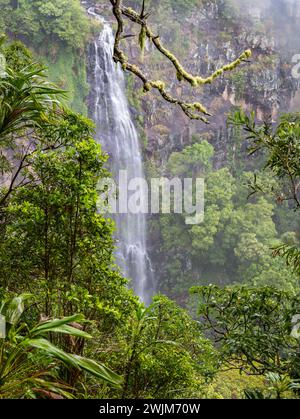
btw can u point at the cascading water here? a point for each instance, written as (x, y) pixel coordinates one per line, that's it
(118, 137)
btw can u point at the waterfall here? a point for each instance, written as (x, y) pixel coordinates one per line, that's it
(117, 134)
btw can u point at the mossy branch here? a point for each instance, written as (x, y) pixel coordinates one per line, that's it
(192, 110)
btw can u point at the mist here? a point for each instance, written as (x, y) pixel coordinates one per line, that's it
(280, 19)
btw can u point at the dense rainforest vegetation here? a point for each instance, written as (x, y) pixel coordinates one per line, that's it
(223, 323)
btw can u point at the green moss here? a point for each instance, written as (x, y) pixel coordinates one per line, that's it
(142, 41)
(68, 71)
(152, 171)
(162, 129)
(231, 385)
(134, 99)
(239, 82)
(199, 107)
(158, 84)
(132, 94)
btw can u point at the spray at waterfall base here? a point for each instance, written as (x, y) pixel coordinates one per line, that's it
(158, 195)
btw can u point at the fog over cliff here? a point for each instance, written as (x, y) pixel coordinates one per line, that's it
(280, 17)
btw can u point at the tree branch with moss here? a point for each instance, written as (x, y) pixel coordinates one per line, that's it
(194, 110)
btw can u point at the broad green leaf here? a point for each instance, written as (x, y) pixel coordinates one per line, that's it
(15, 307)
(75, 361)
(99, 370)
(60, 326)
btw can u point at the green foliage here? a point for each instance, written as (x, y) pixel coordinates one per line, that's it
(236, 240)
(280, 146)
(241, 232)
(252, 326)
(17, 55)
(194, 160)
(181, 7)
(76, 246)
(47, 21)
(25, 98)
(68, 71)
(52, 236)
(278, 387)
(57, 32)
(165, 353)
(30, 363)
(231, 384)
(239, 82)
(291, 255)
(56, 243)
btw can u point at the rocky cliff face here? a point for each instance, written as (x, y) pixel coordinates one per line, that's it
(204, 40)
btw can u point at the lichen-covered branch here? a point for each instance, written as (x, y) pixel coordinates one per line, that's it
(193, 110)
